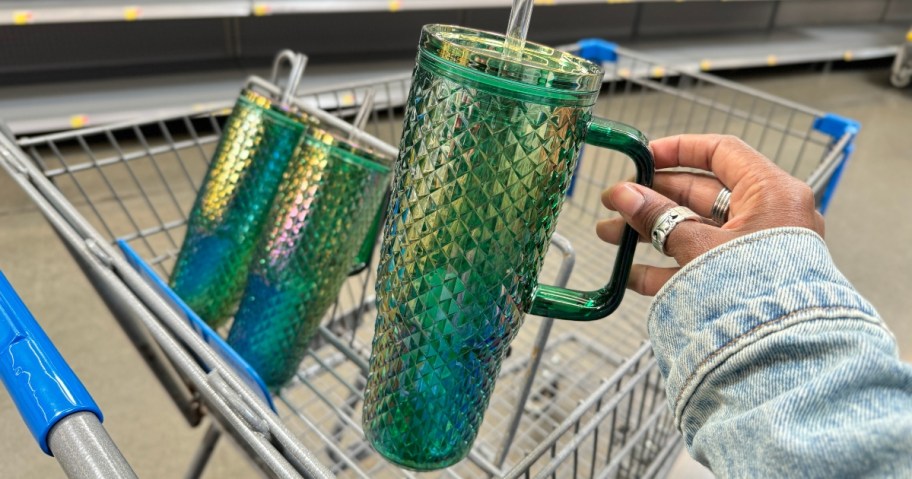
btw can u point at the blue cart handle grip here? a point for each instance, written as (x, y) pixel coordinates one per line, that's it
(37, 377)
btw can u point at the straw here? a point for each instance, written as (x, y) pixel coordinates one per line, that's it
(517, 29)
(367, 106)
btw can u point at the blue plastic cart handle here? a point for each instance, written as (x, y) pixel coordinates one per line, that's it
(37, 377)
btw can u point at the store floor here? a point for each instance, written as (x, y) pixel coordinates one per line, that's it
(868, 229)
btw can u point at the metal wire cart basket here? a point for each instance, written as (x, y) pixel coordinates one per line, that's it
(901, 74)
(572, 400)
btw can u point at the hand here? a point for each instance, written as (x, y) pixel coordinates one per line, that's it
(763, 196)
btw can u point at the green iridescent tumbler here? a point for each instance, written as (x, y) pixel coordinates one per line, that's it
(226, 219)
(320, 228)
(488, 150)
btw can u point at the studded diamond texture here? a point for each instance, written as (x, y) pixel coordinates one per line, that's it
(478, 186)
(319, 218)
(228, 213)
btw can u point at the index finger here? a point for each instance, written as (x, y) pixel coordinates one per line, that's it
(726, 156)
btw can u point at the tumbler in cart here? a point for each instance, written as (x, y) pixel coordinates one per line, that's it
(226, 219)
(319, 229)
(486, 156)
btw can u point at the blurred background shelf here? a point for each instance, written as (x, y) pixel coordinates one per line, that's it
(40, 107)
(780, 47)
(79, 38)
(76, 11)
(275, 7)
(70, 64)
(19, 12)
(29, 109)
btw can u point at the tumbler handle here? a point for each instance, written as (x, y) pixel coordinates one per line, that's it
(561, 303)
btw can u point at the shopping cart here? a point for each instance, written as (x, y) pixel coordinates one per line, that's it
(572, 400)
(62, 417)
(901, 75)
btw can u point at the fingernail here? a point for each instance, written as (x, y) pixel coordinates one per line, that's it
(627, 199)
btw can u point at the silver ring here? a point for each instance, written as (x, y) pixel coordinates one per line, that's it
(720, 207)
(666, 223)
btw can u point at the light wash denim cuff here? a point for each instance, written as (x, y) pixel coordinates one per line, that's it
(736, 294)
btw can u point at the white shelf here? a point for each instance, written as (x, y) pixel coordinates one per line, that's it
(30, 109)
(782, 47)
(35, 12)
(274, 7)
(19, 12)
(51, 107)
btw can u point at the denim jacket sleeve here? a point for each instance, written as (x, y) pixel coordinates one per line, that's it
(776, 367)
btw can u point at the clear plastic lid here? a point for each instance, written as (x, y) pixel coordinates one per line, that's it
(539, 66)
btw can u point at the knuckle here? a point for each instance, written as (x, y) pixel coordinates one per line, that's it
(684, 189)
(650, 212)
(805, 194)
(732, 141)
(801, 196)
(734, 144)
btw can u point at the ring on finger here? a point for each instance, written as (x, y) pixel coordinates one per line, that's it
(721, 205)
(666, 223)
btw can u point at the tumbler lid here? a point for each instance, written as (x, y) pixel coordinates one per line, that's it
(540, 66)
(315, 130)
(347, 149)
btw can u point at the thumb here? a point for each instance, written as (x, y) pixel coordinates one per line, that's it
(641, 207)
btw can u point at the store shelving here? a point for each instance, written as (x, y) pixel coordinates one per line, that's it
(780, 47)
(20, 12)
(38, 12)
(30, 109)
(273, 7)
(57, 106)
(61, 70)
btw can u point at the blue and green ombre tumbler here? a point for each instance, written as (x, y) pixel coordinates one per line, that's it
(488, 150)
(226, 220)
(321, 226)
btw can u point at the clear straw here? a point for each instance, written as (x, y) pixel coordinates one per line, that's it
(518, 28)
(367, 107)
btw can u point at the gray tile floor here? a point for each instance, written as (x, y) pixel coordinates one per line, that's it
(868, 225)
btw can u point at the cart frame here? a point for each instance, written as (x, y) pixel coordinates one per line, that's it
(64, 419)
(901, 73)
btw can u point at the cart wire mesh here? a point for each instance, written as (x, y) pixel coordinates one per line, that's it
(901, 72)
(572, 400)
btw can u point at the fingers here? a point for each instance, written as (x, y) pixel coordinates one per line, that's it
(648, 280)
(612, 230)
(728, 157)
(768, 197)
(640, 207)
(695, 191)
